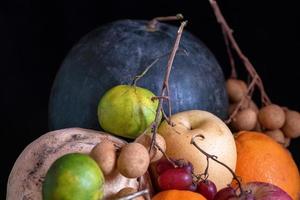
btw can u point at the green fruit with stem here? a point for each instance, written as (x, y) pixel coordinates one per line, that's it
(127, 110)
(73, 176)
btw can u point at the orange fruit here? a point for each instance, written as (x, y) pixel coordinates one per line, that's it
(260, 158)
(178, 195)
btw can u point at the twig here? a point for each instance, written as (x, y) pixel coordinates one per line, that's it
(138, 77)
(248, 65)
(214, 158)
(144, 193)
(165, 155)
(231, 59)
(165, 86)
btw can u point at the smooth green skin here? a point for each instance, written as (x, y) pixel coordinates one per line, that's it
(73, 176)
(127, 110)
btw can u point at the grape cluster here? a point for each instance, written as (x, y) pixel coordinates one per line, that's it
(178, 174)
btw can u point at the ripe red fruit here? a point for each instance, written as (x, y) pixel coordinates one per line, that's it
(225, 194)
(186, 165)
(207, 188)
(163, 165)
(193, 187)
(176, 178)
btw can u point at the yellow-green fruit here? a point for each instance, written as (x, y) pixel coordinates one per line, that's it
(73, 176)
(127, 110)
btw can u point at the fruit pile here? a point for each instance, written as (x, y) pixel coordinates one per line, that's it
(278, 122)
(186, 155)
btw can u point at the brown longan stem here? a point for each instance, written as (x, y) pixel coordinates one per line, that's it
(214, 158)
(227, 32)
(165, 87)
(230, 56)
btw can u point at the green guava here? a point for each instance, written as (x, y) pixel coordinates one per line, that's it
(127, 110)
(73, 176)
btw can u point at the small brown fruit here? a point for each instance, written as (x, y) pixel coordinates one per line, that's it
(257, 127)
(133, 160)
(271, 117)
(247, 103)
(127, 191)
(236, 89)
(104, 153)
(253, 106)
(245, 120)
(155, 153)
(277, 135)
(291, 127)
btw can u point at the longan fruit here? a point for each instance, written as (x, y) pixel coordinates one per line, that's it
(127, 191)
(247, 103)
(277, 135)
(104, 153)
(291, 127)
(271, 117)
(133, 160)
(155, 153)
(245, 120)
(236, 89)
(257, 127)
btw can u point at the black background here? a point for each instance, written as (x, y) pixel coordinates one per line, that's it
(35, 36)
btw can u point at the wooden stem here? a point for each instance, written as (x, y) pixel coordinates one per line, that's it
(227, 32)
(165, 86)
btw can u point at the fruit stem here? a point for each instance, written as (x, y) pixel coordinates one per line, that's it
(214, 158)
(230, 56)
(138, 77)
(153, 23)
(165, 91)
(229, 38)
(165, 155)
(144, 193)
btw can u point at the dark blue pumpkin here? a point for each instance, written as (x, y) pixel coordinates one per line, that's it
(115, 53)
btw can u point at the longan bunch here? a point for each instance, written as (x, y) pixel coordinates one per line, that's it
(131, 160)
(280, 123)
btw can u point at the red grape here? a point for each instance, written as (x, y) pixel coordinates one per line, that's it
(193, 187)
(225, 194)
(207, 188)
(185, 165)
(163, 165)
(176, 178)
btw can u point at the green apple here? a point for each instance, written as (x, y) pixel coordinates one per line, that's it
(73, 176)
(127, 110)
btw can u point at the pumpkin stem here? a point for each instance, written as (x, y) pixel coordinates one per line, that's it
(215, 158)
(165, 87)
(153, 23)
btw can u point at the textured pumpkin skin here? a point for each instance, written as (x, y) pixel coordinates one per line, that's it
(115, 53)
